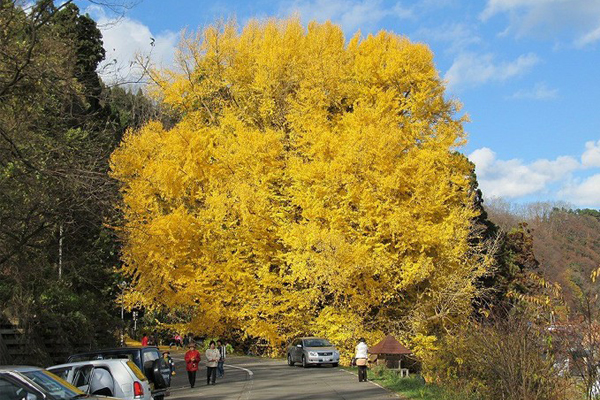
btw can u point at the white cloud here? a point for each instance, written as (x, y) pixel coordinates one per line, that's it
(548, 18)
(588, 38)
(459, 36)
(513, 178)
(498, 6)
(352, 15)
(484, 159)
(591, 155)
(555, 179)
(124, 38)
(435, 5)
(470, 69)
(503, 33)
(585, 193)
(539, 92)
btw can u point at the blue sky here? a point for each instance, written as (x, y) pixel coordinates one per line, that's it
(527, 72)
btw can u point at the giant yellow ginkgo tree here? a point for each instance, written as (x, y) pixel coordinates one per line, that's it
(311, 186)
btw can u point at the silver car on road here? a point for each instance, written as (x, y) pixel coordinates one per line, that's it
(33, 383)
(120, 378)
(312, 351)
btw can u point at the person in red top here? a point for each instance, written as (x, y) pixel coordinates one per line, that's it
(145, 340)
(192, 358)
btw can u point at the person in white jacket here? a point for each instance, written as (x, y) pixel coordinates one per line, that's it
(362, 356)
(212, 359)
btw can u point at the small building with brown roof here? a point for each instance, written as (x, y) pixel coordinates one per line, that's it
(389, 352)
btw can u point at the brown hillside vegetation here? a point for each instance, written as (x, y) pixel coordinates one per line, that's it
(566, 241)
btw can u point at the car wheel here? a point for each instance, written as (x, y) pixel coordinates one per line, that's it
(290, 361)
(161, 397)
(334, 365)
(304, 364)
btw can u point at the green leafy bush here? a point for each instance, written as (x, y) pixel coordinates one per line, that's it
(202, 347)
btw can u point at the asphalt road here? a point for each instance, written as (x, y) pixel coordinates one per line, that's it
(265, 379)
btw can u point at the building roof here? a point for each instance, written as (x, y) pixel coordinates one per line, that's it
(389, 345)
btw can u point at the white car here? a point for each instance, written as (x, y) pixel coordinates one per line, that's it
(33, 383)
(119, 378)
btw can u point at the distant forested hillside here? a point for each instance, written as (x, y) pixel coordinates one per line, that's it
(566, 242)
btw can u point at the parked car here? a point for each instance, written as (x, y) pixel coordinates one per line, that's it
(312, 350)
(148, 359)
(32, 383)
(118, 378)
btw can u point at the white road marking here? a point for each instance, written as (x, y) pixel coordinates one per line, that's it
(373, 383)
(247, 389)
(250, 373)
(179, 388)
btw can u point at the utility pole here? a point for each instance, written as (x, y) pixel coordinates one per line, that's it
(60, 250)
(135, 315)
(122, 286)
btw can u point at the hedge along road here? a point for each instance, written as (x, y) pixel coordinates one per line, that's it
(249, 378)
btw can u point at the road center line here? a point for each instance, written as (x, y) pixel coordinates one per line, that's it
(246, 390)
(245, 395)
(250, 373)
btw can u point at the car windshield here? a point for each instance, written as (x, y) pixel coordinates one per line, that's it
(55, 386)
(317, 343)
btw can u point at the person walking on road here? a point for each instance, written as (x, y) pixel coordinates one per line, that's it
(212, 359)
(145, 340)
(362, 357)
(192, 358)
(175, 341)
(153, 339)
(222, 354)
(169, 361)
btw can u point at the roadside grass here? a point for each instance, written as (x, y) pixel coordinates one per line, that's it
(412, 387)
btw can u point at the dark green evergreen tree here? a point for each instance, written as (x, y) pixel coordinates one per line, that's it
(58, 128)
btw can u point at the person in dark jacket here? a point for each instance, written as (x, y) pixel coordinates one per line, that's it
(153, 339)
(169, 361)
(222, 355)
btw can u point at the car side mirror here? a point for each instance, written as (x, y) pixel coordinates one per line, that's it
(299, 346)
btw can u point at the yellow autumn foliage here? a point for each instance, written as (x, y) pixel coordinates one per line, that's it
(311, 186)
